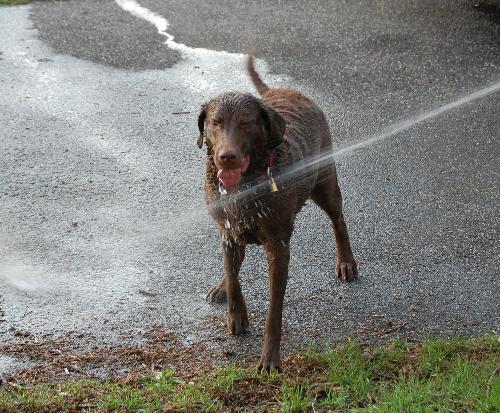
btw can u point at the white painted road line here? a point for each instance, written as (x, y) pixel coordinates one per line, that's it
(162, 25)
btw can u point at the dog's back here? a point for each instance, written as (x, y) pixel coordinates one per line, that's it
(306, 125)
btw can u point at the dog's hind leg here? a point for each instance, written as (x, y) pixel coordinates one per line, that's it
(326, 194)
(217, 292)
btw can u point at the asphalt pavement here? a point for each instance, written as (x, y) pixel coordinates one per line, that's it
(103, 229)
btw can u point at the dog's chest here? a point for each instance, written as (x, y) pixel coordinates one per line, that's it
(243, 221)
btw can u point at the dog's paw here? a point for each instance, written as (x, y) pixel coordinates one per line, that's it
(217, 293)
(347, 270)
(270, 361)
(237, 323)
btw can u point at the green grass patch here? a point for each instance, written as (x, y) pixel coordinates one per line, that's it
(13, 2)
(460, 375)
(294, 398)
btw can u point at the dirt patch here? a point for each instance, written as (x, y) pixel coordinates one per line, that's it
(61, 359)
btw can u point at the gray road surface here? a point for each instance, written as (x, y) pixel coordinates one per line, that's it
(102, 225)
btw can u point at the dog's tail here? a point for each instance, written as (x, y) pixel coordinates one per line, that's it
(256, 80)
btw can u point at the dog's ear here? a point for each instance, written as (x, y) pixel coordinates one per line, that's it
(201, 125)
(274, 125)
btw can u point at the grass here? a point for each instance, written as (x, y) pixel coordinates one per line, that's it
(14, 2)
(460, 375)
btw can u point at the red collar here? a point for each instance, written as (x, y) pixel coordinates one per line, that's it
(268, 174)
(271, 160)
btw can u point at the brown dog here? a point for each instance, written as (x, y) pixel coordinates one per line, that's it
(264, 160)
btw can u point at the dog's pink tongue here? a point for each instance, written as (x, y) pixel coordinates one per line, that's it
(230, 177)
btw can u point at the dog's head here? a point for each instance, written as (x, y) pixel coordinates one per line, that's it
(237, 127)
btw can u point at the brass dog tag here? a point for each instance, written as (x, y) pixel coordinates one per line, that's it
(272, 184)
(274, 187)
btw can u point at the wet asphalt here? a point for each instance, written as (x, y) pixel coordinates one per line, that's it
(103, 229)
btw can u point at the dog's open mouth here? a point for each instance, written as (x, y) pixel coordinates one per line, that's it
(231, 178)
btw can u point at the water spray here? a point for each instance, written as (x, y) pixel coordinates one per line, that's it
(301, 168)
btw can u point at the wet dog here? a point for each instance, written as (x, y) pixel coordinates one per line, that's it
(262, 166)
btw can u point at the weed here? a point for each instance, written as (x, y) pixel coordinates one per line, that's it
(294, 399)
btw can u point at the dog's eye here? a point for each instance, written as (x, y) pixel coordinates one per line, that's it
(216, 121)
(243, 123)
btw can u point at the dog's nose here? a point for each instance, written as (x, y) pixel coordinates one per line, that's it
(227, 155)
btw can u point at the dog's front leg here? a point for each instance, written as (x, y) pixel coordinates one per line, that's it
(237, 318)
(278, 257)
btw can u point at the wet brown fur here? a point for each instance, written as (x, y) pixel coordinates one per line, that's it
(289, 123)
